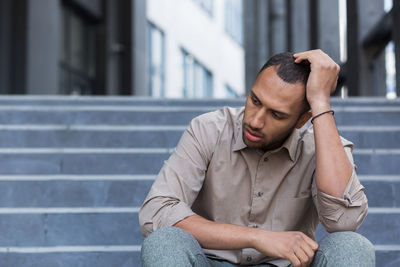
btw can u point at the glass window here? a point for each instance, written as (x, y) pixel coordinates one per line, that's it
(156, 59)
(206, 5)
(390, 71)
(78, 53)
(197, 79)
(234, 19)
(230, 92)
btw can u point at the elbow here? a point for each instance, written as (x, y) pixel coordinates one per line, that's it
(339, 227)
(146, 225)
(351, 220)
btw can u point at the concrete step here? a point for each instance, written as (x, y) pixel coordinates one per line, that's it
(144, 161)
(170, 115)
(83, 161)
(74, 171)
(146, 101)
(95, 227)
(377, 161)
(106, 259)
(131, 190)
(79, 191)
(90, 136)
(37, 258)
(70, 227)
(372, 137)
(382, 191)
(388, 257)
(125, 136)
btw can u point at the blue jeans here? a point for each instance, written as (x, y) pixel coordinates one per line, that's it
(171, 246)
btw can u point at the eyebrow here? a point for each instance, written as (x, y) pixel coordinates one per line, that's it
(273, 110)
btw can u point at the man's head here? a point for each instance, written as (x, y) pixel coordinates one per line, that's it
(277, 102)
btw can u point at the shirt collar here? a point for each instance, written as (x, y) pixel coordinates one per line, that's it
(290, 143)
(238, 133)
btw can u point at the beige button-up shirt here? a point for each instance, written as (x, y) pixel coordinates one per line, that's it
(213, 173)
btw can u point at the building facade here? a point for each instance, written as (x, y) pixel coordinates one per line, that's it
(196, 48)
(91, 47)
(190, 48)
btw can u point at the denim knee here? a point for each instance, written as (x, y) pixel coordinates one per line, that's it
(345, 249)
(172, 246)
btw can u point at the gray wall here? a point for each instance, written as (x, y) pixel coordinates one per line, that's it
(273, 26)
(31, 31)
(43, 46)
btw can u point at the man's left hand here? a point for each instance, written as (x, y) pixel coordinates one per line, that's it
(322, 80)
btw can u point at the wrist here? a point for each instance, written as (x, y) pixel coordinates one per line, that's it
(253, 237)
(257, 238)
(317, 108)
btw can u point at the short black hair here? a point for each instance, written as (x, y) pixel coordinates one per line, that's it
(287, 69)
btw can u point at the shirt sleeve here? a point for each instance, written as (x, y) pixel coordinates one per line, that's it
(179, 181)
(346, 213)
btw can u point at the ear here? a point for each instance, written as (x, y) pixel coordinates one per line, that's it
(303, 119)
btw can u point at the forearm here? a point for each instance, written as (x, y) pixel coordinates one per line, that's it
(293, 246)
(213, 235)
(333, 168)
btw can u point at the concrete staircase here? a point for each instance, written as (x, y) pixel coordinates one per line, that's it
(75, 170)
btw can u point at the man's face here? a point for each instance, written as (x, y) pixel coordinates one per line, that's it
(273, 109)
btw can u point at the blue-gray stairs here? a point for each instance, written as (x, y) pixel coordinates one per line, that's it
(75, 170)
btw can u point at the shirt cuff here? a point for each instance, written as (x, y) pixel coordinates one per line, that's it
(333, 208)
(172, 214)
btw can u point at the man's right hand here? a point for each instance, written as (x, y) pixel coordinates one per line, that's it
(296, 247)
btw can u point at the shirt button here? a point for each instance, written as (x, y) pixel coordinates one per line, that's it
(249, 258)
(265, 159)
(260, 194)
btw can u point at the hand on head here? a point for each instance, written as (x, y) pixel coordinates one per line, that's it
(323, 77)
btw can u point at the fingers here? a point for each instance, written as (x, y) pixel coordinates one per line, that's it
(307, 55)
(302, 256)
(313, 245)
(312, 56)
(294, 260)
(308, 255)
(303, 252)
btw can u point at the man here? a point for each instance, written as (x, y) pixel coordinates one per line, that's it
(250, 185)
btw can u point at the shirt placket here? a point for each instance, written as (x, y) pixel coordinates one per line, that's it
(258, 198)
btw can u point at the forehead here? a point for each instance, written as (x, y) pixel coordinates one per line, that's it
(275, 92)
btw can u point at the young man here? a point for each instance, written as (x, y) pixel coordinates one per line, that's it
(249, 185)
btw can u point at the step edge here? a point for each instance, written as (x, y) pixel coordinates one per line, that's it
(136, 177)
(102, 108)
(73, 177)
(107, 150)
(111, 127)
(90, 210)
(68, 249)
(113, 248)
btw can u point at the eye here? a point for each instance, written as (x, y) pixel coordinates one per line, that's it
(276, 116)
(255, 101)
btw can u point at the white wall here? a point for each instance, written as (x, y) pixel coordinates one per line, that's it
(185, 24)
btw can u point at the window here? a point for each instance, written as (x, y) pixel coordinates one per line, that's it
(197, 80)
(206, 5)
(156, 59)
(78, 53)
(234, 19)
(230, 92)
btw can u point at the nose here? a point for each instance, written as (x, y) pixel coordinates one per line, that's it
(257, 121)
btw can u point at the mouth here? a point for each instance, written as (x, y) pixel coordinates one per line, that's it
(252, 136)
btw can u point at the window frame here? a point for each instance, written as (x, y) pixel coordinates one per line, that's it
(150, 27)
